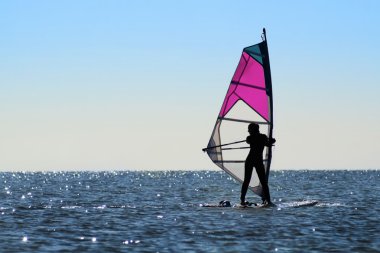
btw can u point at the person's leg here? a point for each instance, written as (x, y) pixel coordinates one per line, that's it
(247, 178)
(264, 183)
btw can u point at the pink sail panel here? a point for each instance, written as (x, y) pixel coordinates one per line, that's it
(249, 71)
(248, 84)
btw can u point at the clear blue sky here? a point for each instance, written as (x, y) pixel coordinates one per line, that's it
(138, 84)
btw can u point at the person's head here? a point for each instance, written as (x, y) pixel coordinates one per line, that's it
(253, 128)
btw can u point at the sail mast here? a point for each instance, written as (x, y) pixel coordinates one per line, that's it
(268, 81)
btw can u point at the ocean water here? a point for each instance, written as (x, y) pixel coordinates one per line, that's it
(127, 211)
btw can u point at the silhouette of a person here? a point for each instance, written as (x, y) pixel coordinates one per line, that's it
(257, 142)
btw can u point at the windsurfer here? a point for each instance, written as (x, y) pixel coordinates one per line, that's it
(257, 142)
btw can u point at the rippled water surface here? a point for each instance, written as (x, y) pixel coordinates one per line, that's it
(162, 212)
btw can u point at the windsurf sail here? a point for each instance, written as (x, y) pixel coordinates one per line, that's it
(248, 99)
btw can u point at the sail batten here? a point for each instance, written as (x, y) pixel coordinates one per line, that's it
(248, 85)
(245, 121)
(248, 100)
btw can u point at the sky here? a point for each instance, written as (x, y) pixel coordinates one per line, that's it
(137, 85)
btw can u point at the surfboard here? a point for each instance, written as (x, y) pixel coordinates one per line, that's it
(255, 205)
(233, 206)
(291, 204)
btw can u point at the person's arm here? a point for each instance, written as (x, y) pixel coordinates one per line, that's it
(269, 141)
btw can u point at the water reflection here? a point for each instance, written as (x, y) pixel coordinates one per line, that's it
(160, 211)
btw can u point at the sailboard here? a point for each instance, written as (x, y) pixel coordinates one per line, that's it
(291, 204)
(249, 99)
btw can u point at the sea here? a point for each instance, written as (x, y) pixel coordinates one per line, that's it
(165, 211)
